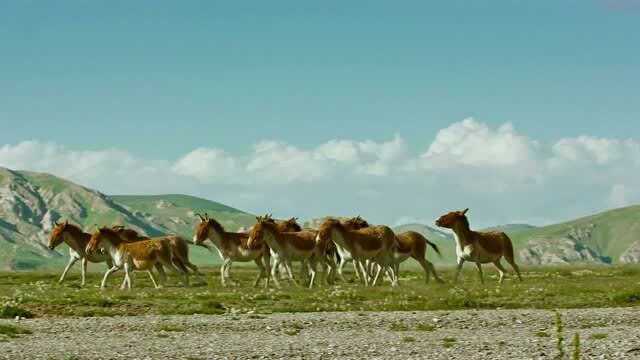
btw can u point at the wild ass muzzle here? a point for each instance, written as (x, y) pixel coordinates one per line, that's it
(478, 247)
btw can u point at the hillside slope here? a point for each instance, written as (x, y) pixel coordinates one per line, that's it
(609, 237)
(31, 202)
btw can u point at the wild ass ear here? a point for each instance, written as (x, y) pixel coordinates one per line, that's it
(465, 211)
(66, 222)
(200, 216)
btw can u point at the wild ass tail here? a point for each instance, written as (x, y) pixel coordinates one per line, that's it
(434, 246)
(508, 248)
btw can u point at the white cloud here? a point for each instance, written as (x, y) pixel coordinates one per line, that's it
(475, 144)
(599, 151)
(503, 175)
(207, 165)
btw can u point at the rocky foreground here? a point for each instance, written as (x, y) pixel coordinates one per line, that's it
(491, 334)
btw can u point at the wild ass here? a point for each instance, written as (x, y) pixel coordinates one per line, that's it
(288, 246)
(179, 249)
(234, 247)
(344, 255)
(413, 244)
(478, 247)
(141, 255)
(77, 241)
(375, 243)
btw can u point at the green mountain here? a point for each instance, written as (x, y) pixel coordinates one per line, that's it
(609, 237)
(31, 202)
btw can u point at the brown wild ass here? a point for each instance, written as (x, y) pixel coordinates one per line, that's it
(288, 246)
(413, 244)
(374, 243)
(478, 247)
(179, 249)
(344, 255)
(77, 241)
(234, 247)
(141, 255)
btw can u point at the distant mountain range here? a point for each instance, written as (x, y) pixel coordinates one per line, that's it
(31, 202)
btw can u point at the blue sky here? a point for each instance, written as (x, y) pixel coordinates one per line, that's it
(156, 80)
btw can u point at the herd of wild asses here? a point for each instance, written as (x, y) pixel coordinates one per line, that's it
(273, 245)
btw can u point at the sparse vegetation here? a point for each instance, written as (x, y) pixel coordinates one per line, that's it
(449, 342)
(425, 327)
(542, 334)
(171, 328)
(598, 336)
(10, 312)
(12, 331)
(408, 339)
(576, 347)
(559, 336)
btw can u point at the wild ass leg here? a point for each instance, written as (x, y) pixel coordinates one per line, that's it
(266, 261)
(343, 261)
(223, 271)
(363, 269)
(458, 269)
(185, 276)
(106, 275)
(162, 275)
(515, 267)
(501, 270)
(126, 284)
(153, 279)
(274, 268)
(72, 260)
(84, 271)
(311, 264)
(287, 264)
(262, 269)
(479, 266)
(378, 270)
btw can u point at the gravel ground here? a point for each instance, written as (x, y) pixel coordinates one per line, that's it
(491, 334)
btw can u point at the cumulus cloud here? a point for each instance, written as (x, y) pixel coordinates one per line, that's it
(502, 174)
(207, 165)
(474, 144)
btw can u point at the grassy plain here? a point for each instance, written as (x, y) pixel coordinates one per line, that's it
(39, 294)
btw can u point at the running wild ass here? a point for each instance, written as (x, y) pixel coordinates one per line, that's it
(141, 255)
(374, 243)
(411, 244)
(289, 246)
(234, 246)
(77, 241)
(478, 247)
(179, 250)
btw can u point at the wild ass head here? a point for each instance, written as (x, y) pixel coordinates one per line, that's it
(206, 228)
(102, 235)
(450, 220)
(57, 234)
(356, 223)
(326, 229)
(265, 226)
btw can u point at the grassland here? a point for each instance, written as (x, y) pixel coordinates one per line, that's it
(543, 288)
